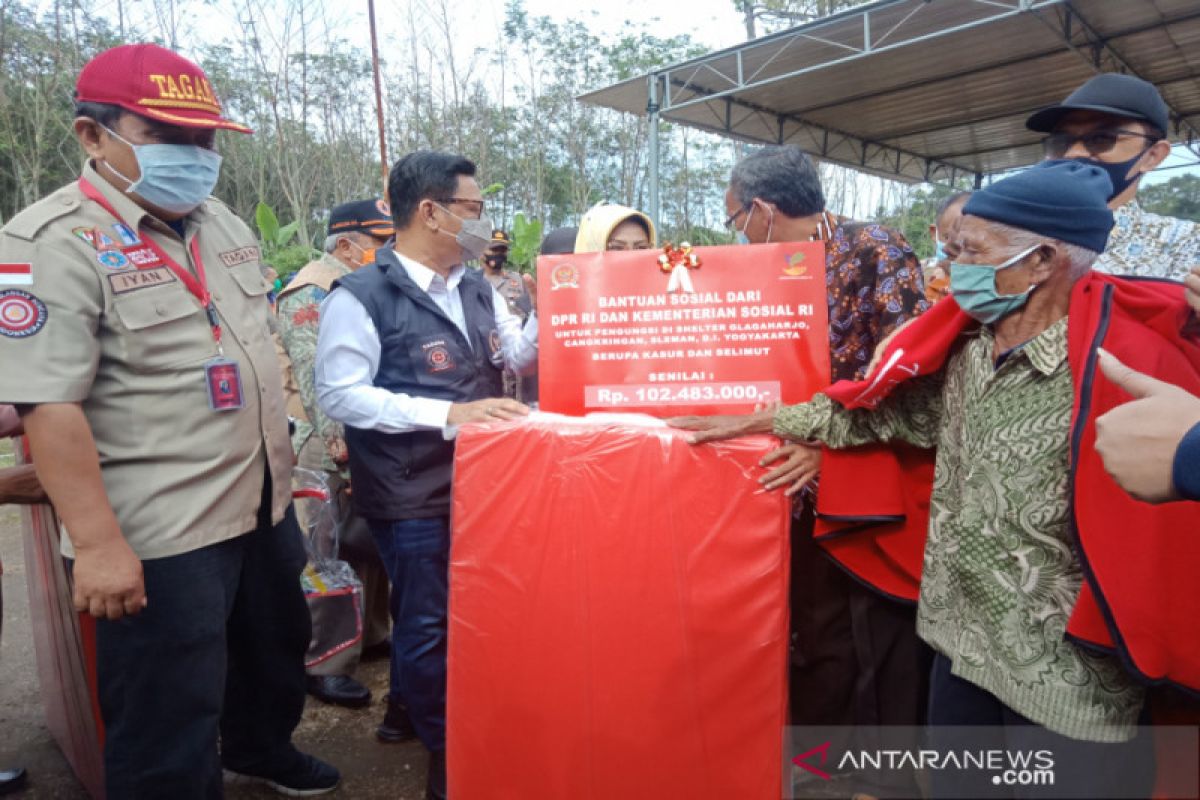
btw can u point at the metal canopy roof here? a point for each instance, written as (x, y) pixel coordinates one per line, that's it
(926, 90)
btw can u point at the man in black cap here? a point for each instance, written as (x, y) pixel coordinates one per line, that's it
(512, 288)
(1119, 123)
(356, 229)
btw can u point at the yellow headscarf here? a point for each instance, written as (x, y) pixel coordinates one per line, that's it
(599, 223)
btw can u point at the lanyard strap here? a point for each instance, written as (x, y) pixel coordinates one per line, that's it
(196, 284)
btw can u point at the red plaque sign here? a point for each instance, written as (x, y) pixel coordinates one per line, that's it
(719, 331)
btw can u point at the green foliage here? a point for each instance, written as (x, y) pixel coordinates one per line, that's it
(278, 250)
(704, 237)
(1178, 197)
(526, 240)
(308, 94)
(915, 216)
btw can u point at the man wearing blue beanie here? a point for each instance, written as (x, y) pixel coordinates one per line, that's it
(1042, 639)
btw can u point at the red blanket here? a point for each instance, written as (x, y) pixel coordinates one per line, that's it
(1141, 562)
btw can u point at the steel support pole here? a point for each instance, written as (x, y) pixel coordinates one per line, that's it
(652, 109)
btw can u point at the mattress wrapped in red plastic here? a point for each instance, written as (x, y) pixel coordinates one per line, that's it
(618, 614)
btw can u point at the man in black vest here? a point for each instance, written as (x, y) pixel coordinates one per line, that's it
(409, 348)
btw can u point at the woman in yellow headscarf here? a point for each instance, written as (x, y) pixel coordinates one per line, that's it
(607, 226)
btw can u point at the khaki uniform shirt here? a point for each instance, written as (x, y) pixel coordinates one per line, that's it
(130, 346)
(523, 388)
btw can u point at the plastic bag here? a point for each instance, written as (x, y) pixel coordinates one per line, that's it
(332, 590)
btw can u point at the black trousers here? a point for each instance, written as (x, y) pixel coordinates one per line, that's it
(218, 653)
(963, 716)
(856, 659)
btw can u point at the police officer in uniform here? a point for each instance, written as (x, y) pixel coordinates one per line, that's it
(511, 287)
(448, 336)
(134, 338)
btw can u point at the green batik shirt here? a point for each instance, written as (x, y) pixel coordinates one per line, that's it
(1001, 573)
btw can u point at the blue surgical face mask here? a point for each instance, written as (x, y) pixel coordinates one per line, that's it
(741, 236)
(974, 289)
(174, 177)
(939, 249)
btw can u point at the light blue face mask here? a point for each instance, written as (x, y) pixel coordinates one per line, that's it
(974, 289)
(174, 177)
(939, 249)
(741, 236)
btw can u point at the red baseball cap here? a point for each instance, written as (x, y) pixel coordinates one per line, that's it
(154, 82)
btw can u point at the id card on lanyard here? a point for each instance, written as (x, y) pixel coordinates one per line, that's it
(222, 375)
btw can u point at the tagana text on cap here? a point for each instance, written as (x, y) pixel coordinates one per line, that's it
(154, 82)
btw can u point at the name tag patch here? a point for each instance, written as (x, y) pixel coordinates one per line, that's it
(231, 258)
(139, 279)
(21, 314)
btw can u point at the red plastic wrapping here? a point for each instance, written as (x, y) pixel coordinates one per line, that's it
(618, 614)
(64, 644)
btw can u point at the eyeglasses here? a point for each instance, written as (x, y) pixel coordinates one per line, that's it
(474, 205)
(1097, 143)
(731, 221)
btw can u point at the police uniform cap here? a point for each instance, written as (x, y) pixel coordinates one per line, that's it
(372, 217)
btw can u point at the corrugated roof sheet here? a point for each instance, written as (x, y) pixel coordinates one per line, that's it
(927, 89)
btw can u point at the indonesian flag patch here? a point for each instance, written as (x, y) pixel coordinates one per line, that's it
(16, 275)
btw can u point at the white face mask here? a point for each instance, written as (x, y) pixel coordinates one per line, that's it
(474, 237)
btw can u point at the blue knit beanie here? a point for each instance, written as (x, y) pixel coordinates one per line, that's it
(1064, 200)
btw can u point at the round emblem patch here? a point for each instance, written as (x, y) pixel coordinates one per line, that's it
(439, 359)
(113, 259)
(21, 314)
(564, 276)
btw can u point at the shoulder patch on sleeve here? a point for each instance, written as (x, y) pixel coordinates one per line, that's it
(29, 222)
(21, 314)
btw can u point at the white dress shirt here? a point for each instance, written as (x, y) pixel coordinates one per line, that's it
(348, 352)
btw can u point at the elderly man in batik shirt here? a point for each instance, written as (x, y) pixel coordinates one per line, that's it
(1001, 573)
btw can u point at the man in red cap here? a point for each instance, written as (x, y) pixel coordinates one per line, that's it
(134, 334)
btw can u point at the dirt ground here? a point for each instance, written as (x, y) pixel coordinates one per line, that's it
(343, 737)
